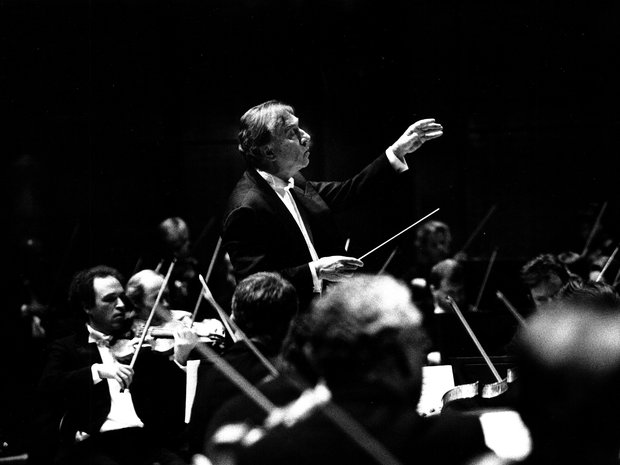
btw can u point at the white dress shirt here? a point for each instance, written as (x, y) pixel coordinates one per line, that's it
(282, 189)
(122, 411)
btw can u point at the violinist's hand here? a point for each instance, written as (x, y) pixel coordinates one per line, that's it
(336, 268)
(415, 135)
(121, 373)
(184, 342)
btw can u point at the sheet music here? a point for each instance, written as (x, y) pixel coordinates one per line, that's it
(436, 381)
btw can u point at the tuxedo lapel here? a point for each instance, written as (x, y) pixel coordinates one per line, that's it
(284, 217)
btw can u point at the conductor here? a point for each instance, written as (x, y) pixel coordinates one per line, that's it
(276, 220)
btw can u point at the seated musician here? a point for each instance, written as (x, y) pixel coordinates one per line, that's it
(365, 341)
(433, 243)
(263, 305)
(111, 413)
(446, 279)
(174, 242)
(142, 290)
(569, 375)
(544, 276)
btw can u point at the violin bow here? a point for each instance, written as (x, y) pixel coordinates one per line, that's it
(209, 271)
(510, 308)
(159, 265)
(473, 337)
(202, 235)
(607, 263)
(477, 229)
(389, 259)
(396, 235)
(235, 332)
(486, 278)
(617, 278)
(236, 378)
(335, 414)
(164, 284)
(593, 230)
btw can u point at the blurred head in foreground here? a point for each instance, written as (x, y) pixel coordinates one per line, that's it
(366, 332)
(569, 372)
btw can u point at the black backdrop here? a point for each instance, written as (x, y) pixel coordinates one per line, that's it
(118, 113)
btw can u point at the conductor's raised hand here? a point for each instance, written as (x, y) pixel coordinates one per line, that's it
(415, 135)
(337, 267)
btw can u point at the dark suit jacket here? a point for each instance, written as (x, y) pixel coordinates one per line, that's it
(260, 234)
(67, 387)
(441, 440)
(214, 389)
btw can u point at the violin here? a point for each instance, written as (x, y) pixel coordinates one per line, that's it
(471, 391)
(161, 338)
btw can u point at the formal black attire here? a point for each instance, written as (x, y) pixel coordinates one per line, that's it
(214, 388)
(444, 439)
(70, 394)
(260, 233)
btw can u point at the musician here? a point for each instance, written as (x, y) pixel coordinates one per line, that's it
(263, 305)
(142, 290)
(544, 276)
(366, 344)
(446, 279)
(174, 239)
(278, 221)
(110, 413)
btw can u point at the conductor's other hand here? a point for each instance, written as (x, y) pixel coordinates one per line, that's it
(121, 373)
(337, 267)
(415, 135)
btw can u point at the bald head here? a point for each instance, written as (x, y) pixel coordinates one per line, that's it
(142, 290)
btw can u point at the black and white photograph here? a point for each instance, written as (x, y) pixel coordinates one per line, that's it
(310, 232)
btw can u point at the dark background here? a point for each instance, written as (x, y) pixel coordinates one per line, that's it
(118, 113)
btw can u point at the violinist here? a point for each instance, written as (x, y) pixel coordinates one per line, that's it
(142, 290)
(110, 412)
(277, 221)
(366, 344)
(446, 279)
(263, 305)
(174, 239)
(433, 243)
(544, 276)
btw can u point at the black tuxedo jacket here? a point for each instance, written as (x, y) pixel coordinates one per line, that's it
(260, 234)
(157, 390)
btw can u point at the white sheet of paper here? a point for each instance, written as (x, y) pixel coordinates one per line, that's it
(436, 381)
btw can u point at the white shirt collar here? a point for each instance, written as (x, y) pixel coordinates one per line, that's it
(96, 336)
(275, 182)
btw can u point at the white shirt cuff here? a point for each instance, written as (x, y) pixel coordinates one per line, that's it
(399, 165)
(95, 373)
(184, 368)
(317, 284)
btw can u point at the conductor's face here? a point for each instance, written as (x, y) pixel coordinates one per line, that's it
(291, 148)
